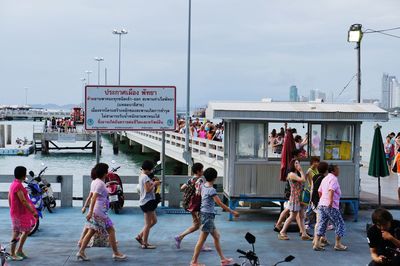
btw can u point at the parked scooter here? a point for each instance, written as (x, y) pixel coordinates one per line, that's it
(35, 195)
(4, 255)
(250, 256)
(49, 201)
(115, 190)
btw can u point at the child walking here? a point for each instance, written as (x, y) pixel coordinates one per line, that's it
(197, 180)
(207, 215)
(23, 214)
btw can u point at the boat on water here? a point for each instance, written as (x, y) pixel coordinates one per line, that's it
(395, 113)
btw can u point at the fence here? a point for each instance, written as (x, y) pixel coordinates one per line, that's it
(61, 185)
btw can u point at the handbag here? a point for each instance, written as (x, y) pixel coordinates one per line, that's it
(305, 197)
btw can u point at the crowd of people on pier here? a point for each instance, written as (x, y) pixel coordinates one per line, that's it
(313, 202)
(63, 125)
(201, 129)
(392, 153)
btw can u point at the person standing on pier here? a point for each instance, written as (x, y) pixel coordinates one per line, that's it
(23, 214)
(148, 203)
(97, 217)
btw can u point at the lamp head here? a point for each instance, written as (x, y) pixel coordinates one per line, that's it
(355, 33)
(124, 31)
(115, 31)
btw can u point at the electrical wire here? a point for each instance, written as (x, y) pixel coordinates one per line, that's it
(345, 87)
(383, 32)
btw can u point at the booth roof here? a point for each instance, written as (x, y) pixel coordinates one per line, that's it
(295, 111)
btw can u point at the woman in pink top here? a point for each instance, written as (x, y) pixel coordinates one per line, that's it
(202, 133)
(328, 209)
(23, 213)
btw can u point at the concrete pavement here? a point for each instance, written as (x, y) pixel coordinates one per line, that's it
(55, 243)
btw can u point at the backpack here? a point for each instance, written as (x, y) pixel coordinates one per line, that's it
(316, 184)
(189, 192)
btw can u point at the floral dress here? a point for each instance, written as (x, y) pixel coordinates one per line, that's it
(100, 220)
(295, 192)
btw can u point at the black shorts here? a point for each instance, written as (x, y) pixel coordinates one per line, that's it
(150, 206)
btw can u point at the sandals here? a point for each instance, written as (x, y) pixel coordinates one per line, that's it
(139, 240)
(227, 261)
(283, 237)
(22, 255)
(148, 246)
(318, 248)
(342, 248)
(197, 264)
(306, 238)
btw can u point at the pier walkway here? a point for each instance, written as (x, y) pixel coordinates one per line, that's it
(55, 243)
(208, 152)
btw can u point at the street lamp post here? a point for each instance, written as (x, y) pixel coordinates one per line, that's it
(355, 34)
(83, 92)
(98, 59)
(187, 154)
(119, 33)
(26, 95)
(88, 72)
(98, 137)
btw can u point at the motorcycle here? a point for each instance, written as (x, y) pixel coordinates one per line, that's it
(4, 255)
(250, 256)
(115, 190)
(49, 201)
(35, 195)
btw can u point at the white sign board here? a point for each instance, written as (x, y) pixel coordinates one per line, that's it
(130, 108)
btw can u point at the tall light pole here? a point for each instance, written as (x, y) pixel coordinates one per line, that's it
(355, 34)
(119, 33)
(26, 95)
(98, 59)
(88, 72)
(83, 92)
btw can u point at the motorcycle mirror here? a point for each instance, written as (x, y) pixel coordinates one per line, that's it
(113, 161)
(289, 258)
(31, 173)
(158, 162)
(250, 238)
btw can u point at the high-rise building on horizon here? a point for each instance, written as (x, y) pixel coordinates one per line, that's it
(317, 95)
(390, 92)
(293, 94)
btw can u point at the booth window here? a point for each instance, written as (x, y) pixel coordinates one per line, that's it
(250, 141)
(338, 144)
(276, 137)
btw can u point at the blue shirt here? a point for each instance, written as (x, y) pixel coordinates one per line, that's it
(207, 201)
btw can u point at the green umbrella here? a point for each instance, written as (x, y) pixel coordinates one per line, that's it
(377, 163)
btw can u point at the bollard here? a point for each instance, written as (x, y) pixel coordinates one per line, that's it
(2, 137)
(9, 135)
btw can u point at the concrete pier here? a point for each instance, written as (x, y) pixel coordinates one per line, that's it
(9, 135)
(2, 137)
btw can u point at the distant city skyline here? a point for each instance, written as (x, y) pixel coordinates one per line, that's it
(390, 97)
(241, 50)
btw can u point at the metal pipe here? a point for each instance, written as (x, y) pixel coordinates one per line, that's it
(358, 72)
(163, 169)
(187, 131)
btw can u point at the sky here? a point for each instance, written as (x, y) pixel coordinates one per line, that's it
(240, 50)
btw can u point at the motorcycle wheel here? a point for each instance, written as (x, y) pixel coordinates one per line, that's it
(34, 228)
(46, 204)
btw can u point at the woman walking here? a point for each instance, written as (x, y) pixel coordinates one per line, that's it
(148, 204)
(23, 214)
(97, 217)
(328, 209)
(296, 178)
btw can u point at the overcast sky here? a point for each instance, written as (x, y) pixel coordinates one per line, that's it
(241, 49)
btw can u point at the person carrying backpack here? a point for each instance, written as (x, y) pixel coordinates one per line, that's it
(192, 202)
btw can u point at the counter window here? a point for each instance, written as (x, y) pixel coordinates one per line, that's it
(250, 141)
(277, 134)
(338, 142)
